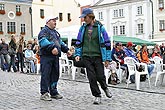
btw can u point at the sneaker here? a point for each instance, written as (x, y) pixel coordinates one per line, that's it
(45, 97)
(128, 82)
(108, 93)
(97, 100)
(57, 96)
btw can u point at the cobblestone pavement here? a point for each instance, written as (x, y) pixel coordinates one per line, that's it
(21, 92)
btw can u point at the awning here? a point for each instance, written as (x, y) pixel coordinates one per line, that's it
(135, 40)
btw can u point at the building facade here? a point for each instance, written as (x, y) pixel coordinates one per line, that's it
(68, 12)
(131, 18)
(159, 19)
(15, 18)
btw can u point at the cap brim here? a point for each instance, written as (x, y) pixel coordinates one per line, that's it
(56, 18)
(82, 16)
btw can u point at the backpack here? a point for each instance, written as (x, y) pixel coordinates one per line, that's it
(140, 69)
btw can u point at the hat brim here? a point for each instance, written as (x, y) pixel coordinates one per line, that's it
(82, 16)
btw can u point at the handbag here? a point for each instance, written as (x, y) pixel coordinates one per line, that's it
(11, 51)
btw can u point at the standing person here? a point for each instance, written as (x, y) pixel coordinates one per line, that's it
(51, 46)
(12, 46)
(20, 48)
(35, 42)
(93, 46)
(4, 55)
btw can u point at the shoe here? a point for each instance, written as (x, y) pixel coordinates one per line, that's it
(97, 100)
(45, 97)
(128, 82)
(108, 93)
(21, 72)
(57, 96)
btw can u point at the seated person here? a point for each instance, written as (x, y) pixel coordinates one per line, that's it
(130, 53)
(118, 56)
(76, 63)
(156, 53)
(29, 56)
(143, 57)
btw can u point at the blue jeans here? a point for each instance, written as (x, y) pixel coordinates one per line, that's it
(49, 74)
(150, 68)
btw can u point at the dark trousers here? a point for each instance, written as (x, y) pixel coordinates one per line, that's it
(95, 72)
(12, 63)
(20, 61)
(49, 74)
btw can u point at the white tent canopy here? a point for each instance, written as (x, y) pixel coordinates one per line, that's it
(69, 32)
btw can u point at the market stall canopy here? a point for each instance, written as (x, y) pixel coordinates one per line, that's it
(135, 40)
(69, 33)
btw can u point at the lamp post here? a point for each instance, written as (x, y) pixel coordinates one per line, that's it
(30, 11)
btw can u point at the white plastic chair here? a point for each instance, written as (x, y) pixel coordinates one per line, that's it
(75, 69)
(64, 64)
(159, 69)
(112, 67)
(131, 63)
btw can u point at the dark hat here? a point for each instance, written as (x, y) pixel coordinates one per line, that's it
(86, 11)
(118, 44)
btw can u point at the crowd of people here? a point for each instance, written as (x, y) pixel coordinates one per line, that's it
(14, 54)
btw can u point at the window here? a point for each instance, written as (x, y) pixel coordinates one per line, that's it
(140, 28)
(2, 7)
(139, 10)
(60, 16)
(100, 15)
(42, 28)
(120, 12)
(22, 28)
(161, 4)
(161, 25)
(69, 17)
(115, 12)
(122, 30)
(42, 13)
(115, 30)
(1, 30)
(11, 27)
(18, 8)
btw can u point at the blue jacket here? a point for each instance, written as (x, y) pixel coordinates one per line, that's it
(50, 39)
(104, 42)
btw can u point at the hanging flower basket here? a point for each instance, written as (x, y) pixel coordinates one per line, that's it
(161, 30)
(11, 32)
(18, 13)
(161, 8)
(22, 33)
(42, 17)
(2, 12)
(1, 32)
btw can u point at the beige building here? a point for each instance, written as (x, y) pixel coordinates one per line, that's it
(159, 20)
(15, 18)
(68, 12)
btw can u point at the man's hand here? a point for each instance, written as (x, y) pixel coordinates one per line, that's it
(69, 53)
(55, 51)
(106, 63)
(77, 58)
